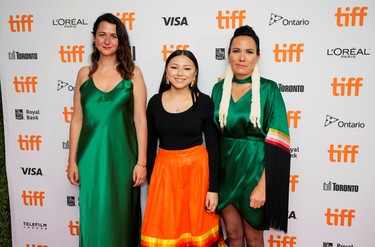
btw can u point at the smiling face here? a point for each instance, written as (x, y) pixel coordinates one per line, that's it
(180, 71)
(243, 56)
(106, 39)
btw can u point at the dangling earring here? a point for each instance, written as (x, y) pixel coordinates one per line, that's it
(167, 82)
(192, 83)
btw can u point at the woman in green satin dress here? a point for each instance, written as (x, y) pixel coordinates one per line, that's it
(108, 140)
(254, 146)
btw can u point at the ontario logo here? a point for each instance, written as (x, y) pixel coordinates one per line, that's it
(274, 18)
(330, 120)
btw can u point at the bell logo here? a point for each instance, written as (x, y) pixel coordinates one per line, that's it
(33, 198)
(293, 180)
(288, 54)
(74, 228)
(25, 84)
(285, 241)
(71, 54)
(166, 52)
(349, 17)
(293, 118)
(340, 218)
(127, 18)
(343, 154)
(229, 20)
(29, 143)
(347, 86)
(20, 23)
(68, 114)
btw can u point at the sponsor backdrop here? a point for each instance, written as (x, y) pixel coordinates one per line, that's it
(319, 53)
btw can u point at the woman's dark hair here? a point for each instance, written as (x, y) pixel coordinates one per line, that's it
(194, 88)
(246, 31)
(123, 54)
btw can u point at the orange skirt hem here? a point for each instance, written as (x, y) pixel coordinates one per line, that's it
(206, 240)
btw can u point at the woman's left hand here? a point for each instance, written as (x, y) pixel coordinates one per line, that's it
(211, 201)
(258, 196)
(139, 175)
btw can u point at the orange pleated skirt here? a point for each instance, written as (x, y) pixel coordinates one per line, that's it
(175, 211)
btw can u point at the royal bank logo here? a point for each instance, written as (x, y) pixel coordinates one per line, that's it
(20, 114)
(16, 55)
(64, 85)
(294, 151)
(329, 244)
(34, 225)
(71, 201)
(333, 186)
(220, 53)
(275, 18)
(331, 120)
(69, 22)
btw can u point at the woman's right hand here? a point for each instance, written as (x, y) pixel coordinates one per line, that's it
(73, 174)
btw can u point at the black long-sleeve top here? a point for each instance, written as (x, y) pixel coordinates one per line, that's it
(177, 131)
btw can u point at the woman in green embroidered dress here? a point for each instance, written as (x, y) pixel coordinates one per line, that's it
(254, 146)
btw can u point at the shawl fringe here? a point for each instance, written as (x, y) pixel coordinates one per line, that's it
(277, 167)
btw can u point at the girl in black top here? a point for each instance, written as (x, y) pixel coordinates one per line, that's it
(182, 172)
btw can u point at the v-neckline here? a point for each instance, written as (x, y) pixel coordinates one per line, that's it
(244, 95)
(109, 91)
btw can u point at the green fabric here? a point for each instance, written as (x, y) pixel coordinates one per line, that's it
(106, 156)
(242, 148)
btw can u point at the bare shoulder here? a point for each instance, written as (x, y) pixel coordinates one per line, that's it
(83, 75)
(137, 73)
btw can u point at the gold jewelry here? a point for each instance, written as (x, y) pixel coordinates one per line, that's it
(144, 166)
(177, 107)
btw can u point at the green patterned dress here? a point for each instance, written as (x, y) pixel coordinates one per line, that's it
(246, 151)
(106, 156)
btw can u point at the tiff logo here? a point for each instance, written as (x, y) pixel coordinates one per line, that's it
(25, 84)
(285, 241)
(20, 23)
(127, 18)
(293, 118)
(33, 198)
(71, 54)
(74, 228)
(293, 181)
(288, 54)
(230, 19)
(31, 143)
(343, 154)
(340, 218)
(349, 17)
(68, 114)
(36, 245)
(166, 52)
(346, 87)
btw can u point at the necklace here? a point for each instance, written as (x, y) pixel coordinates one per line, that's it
(177, 106)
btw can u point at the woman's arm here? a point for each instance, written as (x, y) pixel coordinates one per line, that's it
(140, 122)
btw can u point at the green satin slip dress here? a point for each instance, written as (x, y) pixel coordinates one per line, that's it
(106, 155)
